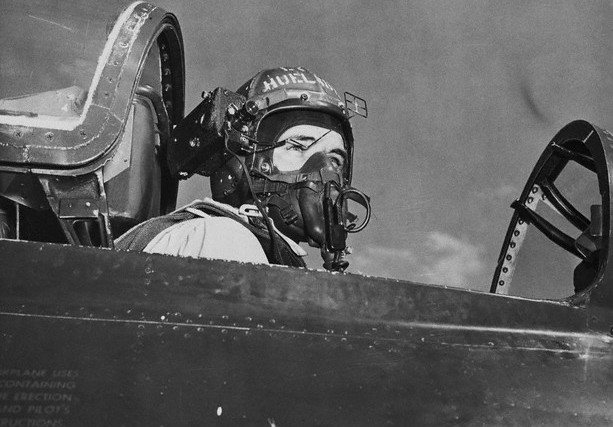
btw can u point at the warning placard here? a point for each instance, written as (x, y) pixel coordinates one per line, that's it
(36, 397)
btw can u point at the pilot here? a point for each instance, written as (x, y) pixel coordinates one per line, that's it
(279, 156)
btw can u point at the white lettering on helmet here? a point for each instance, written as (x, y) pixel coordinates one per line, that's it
(295, 78)
(306, 80)
(269, 85)
(295, 75)
(283, 80)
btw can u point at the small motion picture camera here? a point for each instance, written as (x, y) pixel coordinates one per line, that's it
(197, 144)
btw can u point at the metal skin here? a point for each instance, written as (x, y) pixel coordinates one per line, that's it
(139, 339)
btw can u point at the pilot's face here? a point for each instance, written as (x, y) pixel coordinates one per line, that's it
(305, 140)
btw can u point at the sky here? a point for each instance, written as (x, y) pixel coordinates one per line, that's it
(463, 96)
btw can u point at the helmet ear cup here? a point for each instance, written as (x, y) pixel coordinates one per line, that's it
(229, 184)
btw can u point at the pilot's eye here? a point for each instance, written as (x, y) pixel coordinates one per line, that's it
(337, 160)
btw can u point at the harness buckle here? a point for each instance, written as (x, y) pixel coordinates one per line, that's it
(250, 211)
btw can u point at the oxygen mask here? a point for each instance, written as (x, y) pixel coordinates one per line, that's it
(314, 205)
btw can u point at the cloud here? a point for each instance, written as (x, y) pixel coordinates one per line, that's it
(454, 261)
(441, 259)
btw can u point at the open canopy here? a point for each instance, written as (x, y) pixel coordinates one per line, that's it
(69, 74)
(53, 50)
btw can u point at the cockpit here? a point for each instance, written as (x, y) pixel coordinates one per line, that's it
(85, 126)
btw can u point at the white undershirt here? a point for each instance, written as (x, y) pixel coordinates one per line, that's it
(214, 237)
